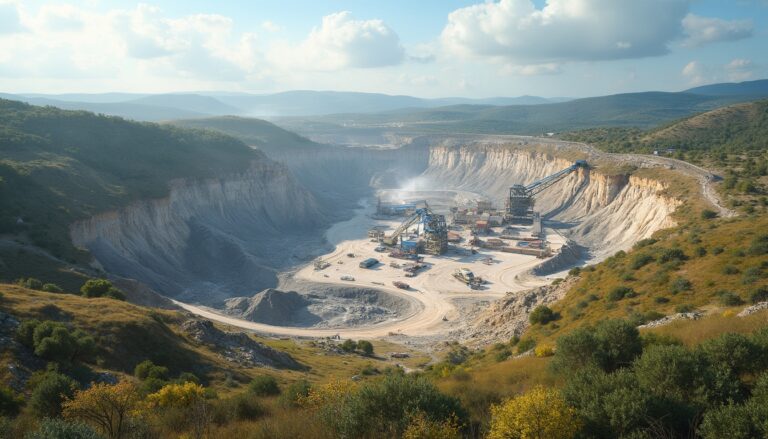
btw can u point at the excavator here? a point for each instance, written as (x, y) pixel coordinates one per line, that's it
(520, 201)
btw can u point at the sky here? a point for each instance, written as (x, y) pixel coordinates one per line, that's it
(425, 48)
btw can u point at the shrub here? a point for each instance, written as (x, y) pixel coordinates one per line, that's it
(730, 269)
(728, 298)
(240, 407)
(294, 393)
(147, 369)
(101, 288)
(61, 429)
(619, 293)
(539, 413)
(9, 402)
(717, 250)
(30, 283)
(50, 391)
(52, 288)
(526, 345)
(660, 299)
(684, 308)
(671, 254)
(759, 245)
(708, 214)
(542, 314)
(575, 271)
(667, 371)
(611, 344)
(264, 385)
(544, 351)
(759, 295)
(385, 407)
(366, 347)
(700, 251)
(640, 260)
(421, 427)
(349, 345)
(54, 341)
(681, 284)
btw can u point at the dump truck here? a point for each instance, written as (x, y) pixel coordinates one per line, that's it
(466, 276)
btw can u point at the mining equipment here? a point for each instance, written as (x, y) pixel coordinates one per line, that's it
(400, 284)
(368, 263)
(434, 231)
(321, 264)
(466, 276)
(520, 201)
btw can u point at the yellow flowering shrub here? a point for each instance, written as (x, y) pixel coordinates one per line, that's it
(540, 413)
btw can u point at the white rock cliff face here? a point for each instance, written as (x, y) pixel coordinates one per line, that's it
(604, 213)
(225, 236)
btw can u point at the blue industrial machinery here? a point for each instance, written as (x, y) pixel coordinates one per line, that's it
(432, 227)
(520, 201)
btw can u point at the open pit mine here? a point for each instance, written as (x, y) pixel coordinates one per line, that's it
(413, 244)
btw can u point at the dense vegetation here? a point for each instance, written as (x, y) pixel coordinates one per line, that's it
(59, 166)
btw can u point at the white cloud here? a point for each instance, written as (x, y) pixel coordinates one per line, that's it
(533, 69)
(419, 81)
(740, 69)
(696, 73)
(705, 30)
(10, 21)
(564, 30)
(342, 42)
(270, 26)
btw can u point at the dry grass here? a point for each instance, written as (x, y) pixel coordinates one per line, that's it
(693, 332)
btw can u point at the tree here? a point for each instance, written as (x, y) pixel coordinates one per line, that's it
(349, 345)
(147, 369)
(50, 392)
(264, 385)
(542, 314)
(539, 414)
(9, 402)
(101, 288)
(366, 347)
(55, 342)
(609, 345)
(107, 407)
(668, 371)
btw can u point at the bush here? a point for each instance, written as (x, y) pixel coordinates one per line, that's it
(708, 214)
(660, 299)
(9, 402)
(542, 314)
(149, 370)
(575, 271)
(681, 284)
(684, 308)
(349, 345)
(645, 243)
(539, 413)
(366, 347)
(728, 298)
(294, 393)
(264, 385)
(544, 351)
(671, 254)
(385, 407)
(759, 246)
(730, 269)
(526, 345)
(640, 260)
(54, 341)
(717, 250)
(60, 429)
(759, 295)
(101, 288)
(49, 393)
(611, 344)
(30, 283)
(240, 407)
(52, 288)
(619, 293)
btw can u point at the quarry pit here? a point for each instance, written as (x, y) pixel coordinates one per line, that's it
(243, 249)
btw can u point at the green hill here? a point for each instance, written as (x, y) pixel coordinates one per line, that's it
(255, 132)
(58, 166)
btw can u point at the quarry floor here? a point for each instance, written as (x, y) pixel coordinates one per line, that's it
(439, 302)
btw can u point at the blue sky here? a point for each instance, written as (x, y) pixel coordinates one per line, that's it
(422, 48)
